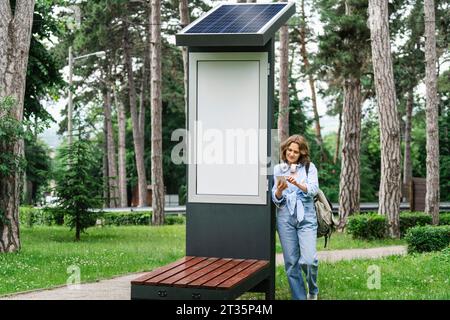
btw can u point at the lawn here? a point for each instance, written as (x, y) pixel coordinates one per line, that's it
(102, 253)
(106, 252)
(412, 277)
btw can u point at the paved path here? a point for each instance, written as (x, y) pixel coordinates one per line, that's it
(119, 288)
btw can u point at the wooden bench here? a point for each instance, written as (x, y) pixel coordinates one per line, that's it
(201, 278)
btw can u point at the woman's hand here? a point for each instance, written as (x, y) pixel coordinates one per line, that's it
(281, 185)
(302, 186)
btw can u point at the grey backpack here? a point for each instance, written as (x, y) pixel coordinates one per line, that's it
(327, 221)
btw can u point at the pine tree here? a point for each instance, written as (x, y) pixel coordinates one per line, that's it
(75, 183)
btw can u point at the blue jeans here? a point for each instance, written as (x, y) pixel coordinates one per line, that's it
(298, 240)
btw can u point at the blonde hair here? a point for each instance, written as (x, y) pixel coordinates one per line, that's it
(303, 147)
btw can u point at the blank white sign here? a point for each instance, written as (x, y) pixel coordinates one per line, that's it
(228, 127)
(227, 146)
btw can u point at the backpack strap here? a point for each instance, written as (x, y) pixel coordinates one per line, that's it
(307, 168)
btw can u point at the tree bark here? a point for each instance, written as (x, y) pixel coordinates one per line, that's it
(407, 166)
(121, 121)
(349, 185)
(283, 109)
(304, 53)
(156, 156)
(111, 151)
(138, 140)
(432, 194)
(390, 184)
(15, 37)
(338, 138)
(106, 195)
(184, 17)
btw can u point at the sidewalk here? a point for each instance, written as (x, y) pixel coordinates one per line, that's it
(119, 288)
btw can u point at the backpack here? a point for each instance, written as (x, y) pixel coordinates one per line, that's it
(327, 221)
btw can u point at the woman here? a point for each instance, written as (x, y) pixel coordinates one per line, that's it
(293, 194)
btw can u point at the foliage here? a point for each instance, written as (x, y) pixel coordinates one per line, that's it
(43, 76)
(126, 218)
(367, 226)
(30, 216)
(135, 218)
(413, 219)
(75, 185)
(182, 195)
(11, 131)
(444, 219)
(38, 170)
(428, 238)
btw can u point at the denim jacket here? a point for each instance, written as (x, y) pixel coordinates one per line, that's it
(294, 200)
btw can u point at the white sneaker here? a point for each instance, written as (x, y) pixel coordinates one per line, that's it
(312, 296)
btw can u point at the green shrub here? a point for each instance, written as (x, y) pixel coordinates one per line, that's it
(126, 218)
(428, 238)
(444, 219)
(413, 219)
(182, 192)
(368, 226)
(172, 219)
(51, 216)
(28, 216)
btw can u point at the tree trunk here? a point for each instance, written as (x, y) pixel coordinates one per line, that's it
(156, 157)
(306, 66)
(106, 195)
(390, 184)
(15, 36)
(184, 16)
(407, 166)
(432, 194)
(121, 121)
(138, 140)
(145, 81)
(338, 138)
(283, 109)
(349, 185)
(111, 151)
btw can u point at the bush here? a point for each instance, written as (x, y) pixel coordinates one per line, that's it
(172, 219)
(182, 193)
(28, 216)
(368, 226)
(413, 219)
(444, 219)
(428, 238)
(126, 218)
(136, 218)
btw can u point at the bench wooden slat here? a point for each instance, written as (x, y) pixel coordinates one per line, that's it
(188, 271)
(239, 277)
(207, 277)
(160, 270)
(224, 276)
(169, 273)
(202, 273)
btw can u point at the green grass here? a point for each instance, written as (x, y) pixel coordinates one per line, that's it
(102, 253)
(341, 241)
(412, 277)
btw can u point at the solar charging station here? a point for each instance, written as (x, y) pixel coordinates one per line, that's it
(230, 219)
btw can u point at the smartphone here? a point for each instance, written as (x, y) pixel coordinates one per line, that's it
(281, 178)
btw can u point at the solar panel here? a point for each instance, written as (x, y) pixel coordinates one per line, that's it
(249, 24)
(237, 19)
